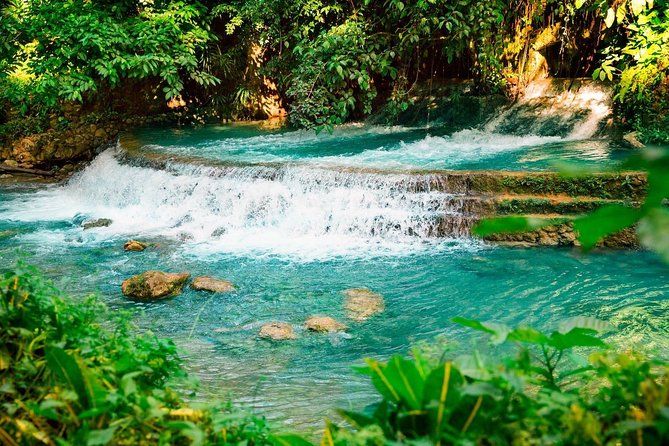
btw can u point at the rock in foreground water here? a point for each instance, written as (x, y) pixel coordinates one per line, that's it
(323, 324)
(277, 331)
(134, 245)
(361, 303)
(205, 283)
(154, 284)
(97, 223)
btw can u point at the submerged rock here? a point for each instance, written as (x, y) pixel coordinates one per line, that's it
(277, 331)
(8, 233)
(205, 283)
(134, 245)
(154, 284)
(97, 223)
(361, 303)
(323, 324)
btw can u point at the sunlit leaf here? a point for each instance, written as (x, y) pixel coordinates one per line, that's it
(610, 18)
(471, 323)
(527, 335)
(638, 6)
(576, 337)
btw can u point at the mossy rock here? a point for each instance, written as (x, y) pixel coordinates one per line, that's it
(154, 285)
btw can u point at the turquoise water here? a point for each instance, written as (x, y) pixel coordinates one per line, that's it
(387, 148)
(292, 229)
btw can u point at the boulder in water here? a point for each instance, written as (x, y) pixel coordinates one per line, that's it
(97, 223)
(323, 324)
(632, 140)
(277, 331)
(361, 303)
(154, 284)
(134, 245)
(205, 283)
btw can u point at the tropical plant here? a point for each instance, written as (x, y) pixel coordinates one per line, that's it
(67, 379)
(560, 388)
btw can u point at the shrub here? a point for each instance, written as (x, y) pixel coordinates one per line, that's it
(562, 388)
(67, 379)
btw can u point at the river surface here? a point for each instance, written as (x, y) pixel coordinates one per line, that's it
(293, 219)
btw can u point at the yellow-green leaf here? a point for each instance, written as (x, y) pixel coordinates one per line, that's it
(610, 18)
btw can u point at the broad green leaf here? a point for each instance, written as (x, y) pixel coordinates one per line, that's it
(653, 232)
(288, 440)
(658, 183)
(527, 335)
(576, 337)
(356, 419)
(490, 226)
(67, 369)
(406, 380)
(443, 387)
(471, 323)
(589, 323)
(100, 437)
(381, 381)
(604, 221)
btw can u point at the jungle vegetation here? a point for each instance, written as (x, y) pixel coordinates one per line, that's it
(327, 61)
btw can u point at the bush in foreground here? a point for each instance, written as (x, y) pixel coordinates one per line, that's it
(65, 379)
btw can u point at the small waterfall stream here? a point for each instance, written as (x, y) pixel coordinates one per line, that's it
(297, 194)
(294, 219)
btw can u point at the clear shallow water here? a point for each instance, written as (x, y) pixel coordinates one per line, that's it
(300, 382)
(372, 147)
(294, 234)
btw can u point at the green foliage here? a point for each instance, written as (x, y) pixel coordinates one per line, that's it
(334, 76)
(565, 387)
(637, 55)
(69, 49)
(65, 379)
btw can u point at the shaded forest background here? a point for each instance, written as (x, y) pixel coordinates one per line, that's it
(324, 62)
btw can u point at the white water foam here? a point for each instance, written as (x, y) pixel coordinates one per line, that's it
(440, 152)
(291, 211)
(579, 105)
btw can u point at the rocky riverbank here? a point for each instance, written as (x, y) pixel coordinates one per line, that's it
(59, 150)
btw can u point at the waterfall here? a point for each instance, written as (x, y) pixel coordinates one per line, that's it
(364, 190)
(281, 209)
(569, 108)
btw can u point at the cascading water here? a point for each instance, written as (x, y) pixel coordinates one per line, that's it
(363, 189)
(284, 210)
(293, 219)
(572, 109)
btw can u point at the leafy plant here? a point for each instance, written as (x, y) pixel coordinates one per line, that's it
(550, 392)
(65, 379)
